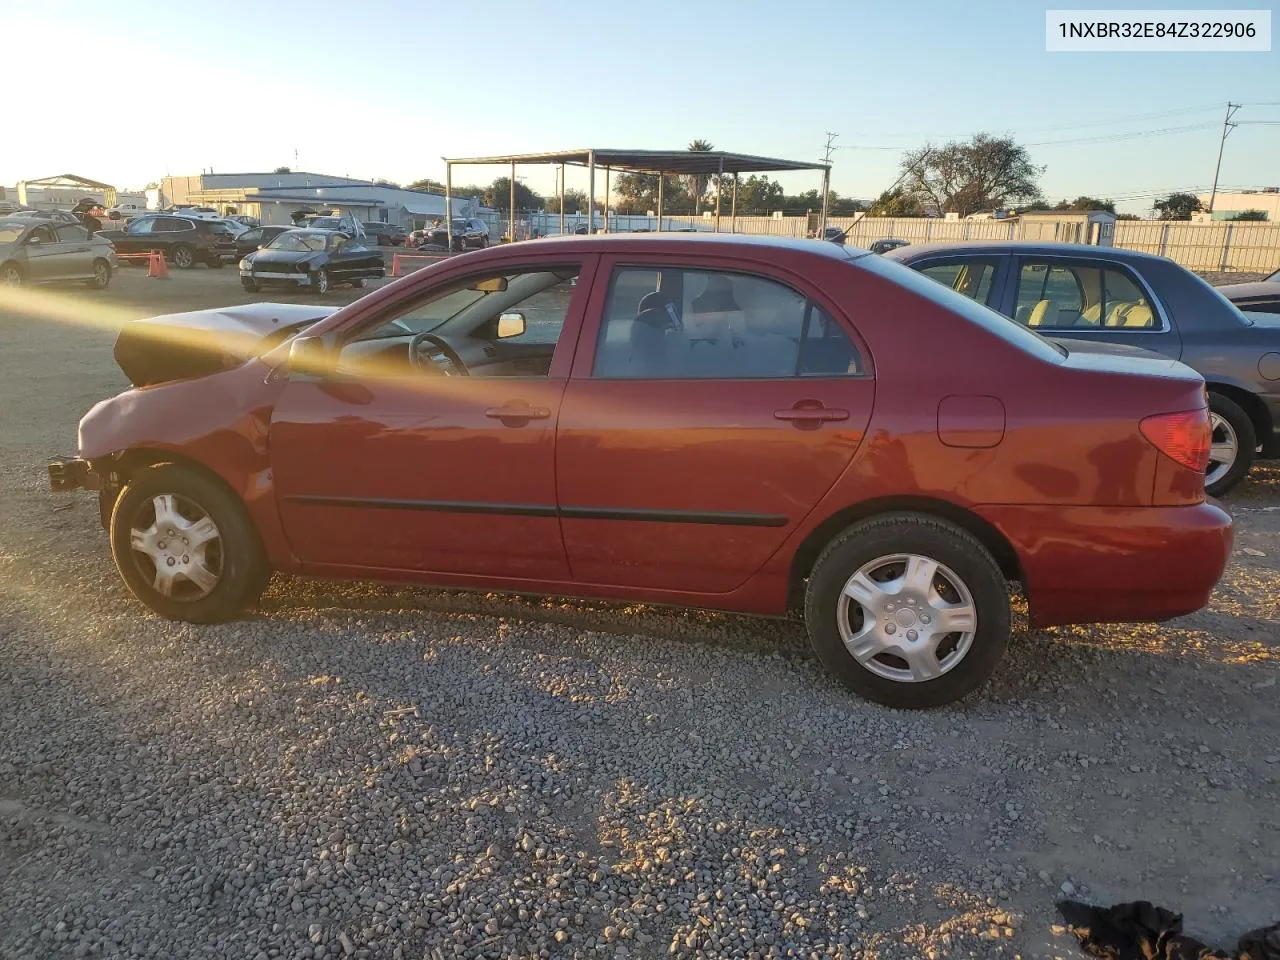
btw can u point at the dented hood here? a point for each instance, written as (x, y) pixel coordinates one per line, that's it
(179, 346)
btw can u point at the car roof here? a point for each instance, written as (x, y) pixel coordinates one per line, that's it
(1024, 247)
(676, 242)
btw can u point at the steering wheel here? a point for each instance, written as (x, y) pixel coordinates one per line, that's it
(417, 358)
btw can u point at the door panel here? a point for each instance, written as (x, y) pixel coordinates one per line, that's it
(43, 257)
(710, 409)
(419, 476)
(75, 253)
(692, 485)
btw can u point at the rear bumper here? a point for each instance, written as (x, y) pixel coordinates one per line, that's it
(1116, 564)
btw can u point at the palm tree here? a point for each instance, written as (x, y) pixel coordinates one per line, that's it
(697, 183)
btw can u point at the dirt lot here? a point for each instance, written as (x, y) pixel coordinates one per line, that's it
(382, 772)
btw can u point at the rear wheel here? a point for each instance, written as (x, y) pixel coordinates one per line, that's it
(358, 282)
(1232, 447)
(185, 546)
(101, 275)
(908, 610)
(320, 281)
(183, 257)
(11, 275)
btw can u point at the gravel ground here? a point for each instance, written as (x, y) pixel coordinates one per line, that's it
(400, 773)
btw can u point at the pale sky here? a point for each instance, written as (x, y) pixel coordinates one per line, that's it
(129, 92)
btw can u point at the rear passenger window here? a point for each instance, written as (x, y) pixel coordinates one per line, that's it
(1079, 295)
(69, 233)
(970, 277)
(694, 324)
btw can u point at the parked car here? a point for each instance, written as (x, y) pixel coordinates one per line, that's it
(183, 241)
(234, 227)
(344, 223)
(256, 237)
(42, 250)
(317, 259)
(385, 234)
(723, 421)
(1104, 294)
(126, 210)
(468, 233)
(1262, 296)
(247, 221)
(884, 246)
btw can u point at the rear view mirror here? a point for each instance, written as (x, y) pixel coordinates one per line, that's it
(490, 285)
(511, 325)
(309, 357)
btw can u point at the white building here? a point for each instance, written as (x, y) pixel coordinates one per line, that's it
(1227, 205)
(274, 197)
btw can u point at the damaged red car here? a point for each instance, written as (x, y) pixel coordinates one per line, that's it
(734, 423)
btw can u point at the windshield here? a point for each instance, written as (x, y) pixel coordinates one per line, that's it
(10, 232)
(325, 223)
(1274, 277)
(299, 241)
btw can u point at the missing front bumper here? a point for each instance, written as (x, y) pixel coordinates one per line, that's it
(72, 473)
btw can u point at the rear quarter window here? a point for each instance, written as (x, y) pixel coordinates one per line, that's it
(988, 319)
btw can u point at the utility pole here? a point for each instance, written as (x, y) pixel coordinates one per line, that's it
(1227, 127)
(831, 139)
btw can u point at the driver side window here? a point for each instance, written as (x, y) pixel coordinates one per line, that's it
(504, 324)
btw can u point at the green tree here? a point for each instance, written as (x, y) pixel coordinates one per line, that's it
(283, 170)
(696, 183)
(1084, 204)
(838, 206)
(963, 177)
(637, 194)
(1178, 206)
(1127, 216)
(498, 196)
(1250, 215)
(895, 203)
(575, 201)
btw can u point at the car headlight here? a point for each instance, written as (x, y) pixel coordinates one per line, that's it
(246, 265)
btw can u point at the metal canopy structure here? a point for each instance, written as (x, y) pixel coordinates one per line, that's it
(656, 163)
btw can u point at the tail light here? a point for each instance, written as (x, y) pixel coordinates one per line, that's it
(1182, 437)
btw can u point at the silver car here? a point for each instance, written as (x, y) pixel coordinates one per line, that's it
(38, 250)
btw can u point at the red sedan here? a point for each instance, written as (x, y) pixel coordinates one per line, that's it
(723, 422)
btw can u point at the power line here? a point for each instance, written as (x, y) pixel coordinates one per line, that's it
(1100, 138)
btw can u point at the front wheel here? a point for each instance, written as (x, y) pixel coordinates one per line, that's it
(11, 275)
(250, 285)
(908, 610)
(320, 281)
(101, 276)
(185, 546)
(183, 257)
(1231, 449)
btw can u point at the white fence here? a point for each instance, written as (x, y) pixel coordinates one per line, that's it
(1229, 247)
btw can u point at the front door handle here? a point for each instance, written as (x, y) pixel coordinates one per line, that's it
(811, 412)
(517, 412)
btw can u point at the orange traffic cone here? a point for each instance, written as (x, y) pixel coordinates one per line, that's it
(157, 269)
(395, 265)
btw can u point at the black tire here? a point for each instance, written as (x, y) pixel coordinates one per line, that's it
(216, 263)
(956, 550)
(320, 282)
(183, 257)
(242, 568)
(11, 275)
(250, 286)
(358, 282)
(1246, 444)
(101, 275)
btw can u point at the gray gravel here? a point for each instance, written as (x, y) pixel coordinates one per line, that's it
(381, 772)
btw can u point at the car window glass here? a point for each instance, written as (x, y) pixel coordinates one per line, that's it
(970, 277)
(43, 234)
(337, 243)
(69, 233)
(252, 237)
(1049, 295)
(694, 324)
(470, 320)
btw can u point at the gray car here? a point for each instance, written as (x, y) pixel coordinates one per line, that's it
(1123, 297)
(39, 250)
(1261, 296)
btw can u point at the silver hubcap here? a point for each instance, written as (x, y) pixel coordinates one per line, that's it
(907, 618)
(1222, 449)
(322, 282)
(179, 549)
(182, 258)
(10, 277)
(100, 274)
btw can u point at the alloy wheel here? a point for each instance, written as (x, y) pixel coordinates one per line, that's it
(1223, 449)
(907, 618)
(177, 547)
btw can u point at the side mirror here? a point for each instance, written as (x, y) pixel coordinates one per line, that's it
(310, 357)
(511, 325)
(262, 246)
(34, 241)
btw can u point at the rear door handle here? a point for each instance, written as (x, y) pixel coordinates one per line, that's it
(518, 410)
(811, 414)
